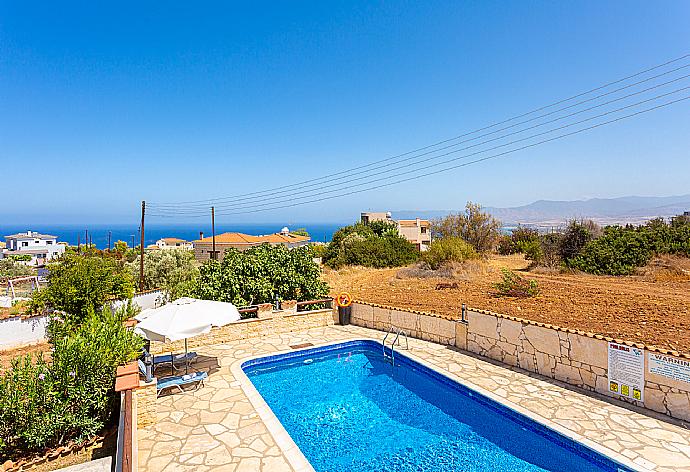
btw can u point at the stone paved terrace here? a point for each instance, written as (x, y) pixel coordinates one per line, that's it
(218, 428)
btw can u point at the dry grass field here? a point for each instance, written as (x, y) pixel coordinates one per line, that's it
(652, 307)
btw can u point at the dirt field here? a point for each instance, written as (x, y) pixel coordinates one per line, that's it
(653, 308)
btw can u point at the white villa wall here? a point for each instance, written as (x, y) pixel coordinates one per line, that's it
(19, 331)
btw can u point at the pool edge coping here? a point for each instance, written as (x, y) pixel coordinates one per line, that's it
(299, 462)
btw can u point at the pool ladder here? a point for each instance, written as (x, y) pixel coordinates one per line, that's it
(396, 341)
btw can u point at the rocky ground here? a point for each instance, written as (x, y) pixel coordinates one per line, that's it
(653, 307)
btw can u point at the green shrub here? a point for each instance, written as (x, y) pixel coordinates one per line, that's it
(318, 250)
(576, 237)
(514, 285)
(81, 284)
(618, 252)
(259, 275)
(19, 257)
(532, 249)
(377, 244)
(448, 250)
(45, 405)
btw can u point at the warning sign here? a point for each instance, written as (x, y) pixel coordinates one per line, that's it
(626, 371)
(671, 367)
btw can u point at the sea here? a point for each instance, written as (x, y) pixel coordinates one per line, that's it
(98, 234)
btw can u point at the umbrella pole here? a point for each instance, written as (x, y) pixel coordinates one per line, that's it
(186, 362)
(172, 363)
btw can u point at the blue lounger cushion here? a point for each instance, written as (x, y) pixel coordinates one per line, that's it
(179, 380)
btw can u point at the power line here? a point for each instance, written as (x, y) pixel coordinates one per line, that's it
(348, 171)
(465, 164)
(260, 206)
(238, 205)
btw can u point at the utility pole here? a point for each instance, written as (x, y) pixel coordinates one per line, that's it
(86, 238)
(141, 248)
(110, 235)
(213, 232)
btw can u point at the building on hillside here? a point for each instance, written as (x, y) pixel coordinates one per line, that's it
(39, 248)
(416, 231)
(173, 243)
(203, 248)
(371, 216)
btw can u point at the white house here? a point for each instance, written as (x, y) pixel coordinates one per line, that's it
(174, 243)
(39, 247)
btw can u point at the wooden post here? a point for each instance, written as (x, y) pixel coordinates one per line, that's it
(213, 232)
(141, 248)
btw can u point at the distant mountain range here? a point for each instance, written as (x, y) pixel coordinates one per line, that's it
(604, 211)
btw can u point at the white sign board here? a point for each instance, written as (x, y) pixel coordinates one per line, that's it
(626, 371)
(671, 367)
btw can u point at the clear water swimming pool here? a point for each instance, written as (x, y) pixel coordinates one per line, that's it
(348, 409)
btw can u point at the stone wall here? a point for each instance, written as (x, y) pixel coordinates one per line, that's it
(276, 322)
(417, 324)
(575, 357)
(571, 356)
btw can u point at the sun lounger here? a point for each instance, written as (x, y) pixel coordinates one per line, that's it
(180, 380)
(166, 359)
(177, 380)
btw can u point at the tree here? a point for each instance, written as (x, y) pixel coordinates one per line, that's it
(300, 232)
(10, 268)
(172, 270)
(479, 229)
(377, 244)
(79, 284)
(260, 275)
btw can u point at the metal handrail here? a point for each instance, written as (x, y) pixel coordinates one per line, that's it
(398, 332)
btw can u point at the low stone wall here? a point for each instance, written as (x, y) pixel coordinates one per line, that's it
(417, 324)
(574, 357)
(571, 356)
(275, 322)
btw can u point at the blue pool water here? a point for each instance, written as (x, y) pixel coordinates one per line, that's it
(349, 410)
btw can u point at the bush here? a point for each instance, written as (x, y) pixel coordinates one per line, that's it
(80, 284)
(551, 244)
(171, 269)
(259, 275)
(576, 236)
(318, 250)
(618, 252)
(44, 405)
(479, 229)
(532, 249)
(377, 244)
(446, 250)
(514, 285)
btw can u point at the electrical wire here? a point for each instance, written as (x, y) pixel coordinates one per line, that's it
(349, 171)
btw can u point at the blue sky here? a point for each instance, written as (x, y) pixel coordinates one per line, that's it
(103, 106)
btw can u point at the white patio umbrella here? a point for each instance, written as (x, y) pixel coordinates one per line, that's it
(184, 318)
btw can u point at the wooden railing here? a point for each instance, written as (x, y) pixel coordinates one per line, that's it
(124, 459)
